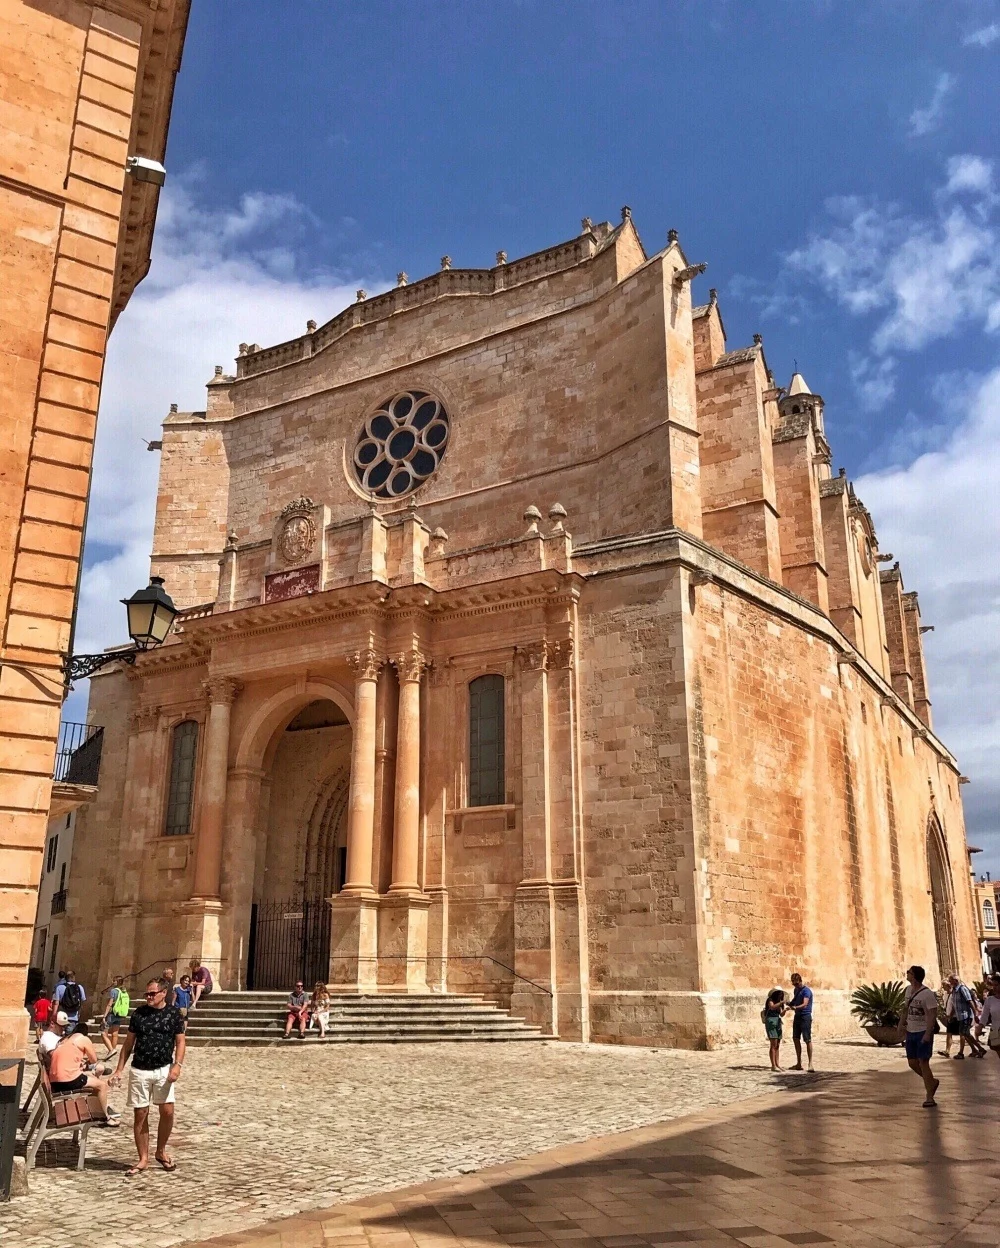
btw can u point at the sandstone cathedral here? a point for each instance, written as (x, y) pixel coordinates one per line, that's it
(525, 626)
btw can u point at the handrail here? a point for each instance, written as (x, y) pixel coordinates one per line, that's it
(174, 958)
(456, 957)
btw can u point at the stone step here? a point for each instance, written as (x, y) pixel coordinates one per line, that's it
(258, 1041)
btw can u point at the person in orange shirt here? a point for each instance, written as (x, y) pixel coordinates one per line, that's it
(68, 1071)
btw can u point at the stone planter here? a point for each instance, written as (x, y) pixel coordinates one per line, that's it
(883, 1036)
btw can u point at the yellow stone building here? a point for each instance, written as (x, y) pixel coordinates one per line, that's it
(85, 87)
(525, 625)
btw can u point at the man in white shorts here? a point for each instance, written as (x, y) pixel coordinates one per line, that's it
(156, 1044)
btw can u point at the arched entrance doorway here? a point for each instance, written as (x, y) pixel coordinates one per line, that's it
(301, 850)
(942, 899)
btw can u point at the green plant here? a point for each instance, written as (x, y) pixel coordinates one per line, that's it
(879, 1005)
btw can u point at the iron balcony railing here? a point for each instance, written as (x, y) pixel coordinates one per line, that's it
(59, 902)
(78, 754)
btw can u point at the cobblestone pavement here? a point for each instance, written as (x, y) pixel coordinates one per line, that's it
(769, 1172)
(264, 1133)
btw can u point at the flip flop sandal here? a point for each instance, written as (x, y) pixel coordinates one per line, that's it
(167, 1163)
(930, 1104)
(134, 1171)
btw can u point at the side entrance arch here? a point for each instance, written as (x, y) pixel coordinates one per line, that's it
(942, 899)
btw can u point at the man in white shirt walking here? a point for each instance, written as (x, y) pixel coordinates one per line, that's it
(990, 1016)
(916, 1029)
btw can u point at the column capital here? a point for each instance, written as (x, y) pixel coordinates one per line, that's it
(366, 664)
(143, 718)
(411, 664)
(221, 690)
(545, 655)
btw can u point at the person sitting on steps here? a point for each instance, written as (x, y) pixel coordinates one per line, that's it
(297, 1011)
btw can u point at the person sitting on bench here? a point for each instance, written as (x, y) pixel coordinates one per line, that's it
(67, 1069)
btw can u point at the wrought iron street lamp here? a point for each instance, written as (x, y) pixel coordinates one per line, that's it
(151, 612)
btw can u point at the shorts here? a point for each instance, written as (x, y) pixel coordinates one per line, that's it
(113, 1022)
(953, 1027)
(919, 1048)
(149, 1087)
(773, 1028)
(73, 1085)
(802, 1027)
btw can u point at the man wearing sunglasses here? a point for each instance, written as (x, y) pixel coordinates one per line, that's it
(156, 1044)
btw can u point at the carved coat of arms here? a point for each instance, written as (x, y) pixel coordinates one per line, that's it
(298, 533)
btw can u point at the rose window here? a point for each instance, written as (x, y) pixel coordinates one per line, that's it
(401, 444)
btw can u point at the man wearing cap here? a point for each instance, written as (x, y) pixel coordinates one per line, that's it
(51, 1036)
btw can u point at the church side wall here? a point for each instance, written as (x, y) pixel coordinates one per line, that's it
(814, 823)
(640, 870)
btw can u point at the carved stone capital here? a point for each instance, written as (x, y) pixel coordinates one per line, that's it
(534, 655)
(365, 664)
(410, 665)
(221, 690)
(561, 653)
(143, 718)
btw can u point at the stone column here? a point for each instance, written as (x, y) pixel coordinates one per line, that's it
(403, 922)
(366, 665)
(406, 836)
(354, 910)
(221, 692)
(238, 869)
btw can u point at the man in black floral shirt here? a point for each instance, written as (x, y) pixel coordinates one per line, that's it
(156, 1044)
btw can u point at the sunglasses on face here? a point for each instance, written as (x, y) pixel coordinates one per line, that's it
(155, 993)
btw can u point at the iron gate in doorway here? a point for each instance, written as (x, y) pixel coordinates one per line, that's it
(289, 940)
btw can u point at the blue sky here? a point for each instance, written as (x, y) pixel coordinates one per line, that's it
(833, 164)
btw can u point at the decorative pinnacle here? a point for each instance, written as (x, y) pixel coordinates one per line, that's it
(758, 340)
(446, 262)
(586, 225)
(362, 295)
(401, 278)
(557, 513)
(310, 327)
(532, 515)
(173, 407)
(626, 212)
(243, 348)
(218, 370)
(713, 296)
(501, 257)
(671, 236)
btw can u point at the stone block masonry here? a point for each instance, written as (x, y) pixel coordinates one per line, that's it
(84, 87)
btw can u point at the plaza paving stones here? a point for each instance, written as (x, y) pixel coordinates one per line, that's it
(453, 1138)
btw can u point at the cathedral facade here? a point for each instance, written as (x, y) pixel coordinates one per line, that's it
(529, 645)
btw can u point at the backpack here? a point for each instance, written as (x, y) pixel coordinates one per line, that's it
(72, 999)
(122, 1002)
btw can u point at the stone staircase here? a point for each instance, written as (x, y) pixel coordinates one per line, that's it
(258, 1018)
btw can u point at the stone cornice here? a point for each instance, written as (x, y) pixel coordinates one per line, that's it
(164, 26)
(710, 565)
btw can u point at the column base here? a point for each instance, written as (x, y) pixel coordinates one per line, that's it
(354, 924)
(403, 942)
(199, 935)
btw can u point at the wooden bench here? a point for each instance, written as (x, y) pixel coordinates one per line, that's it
(57, 1113)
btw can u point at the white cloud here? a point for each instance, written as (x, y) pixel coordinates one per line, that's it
(924, 120)
(923, 277)
(983, 37)
(939, 515)
(874, 380)
(219, 276)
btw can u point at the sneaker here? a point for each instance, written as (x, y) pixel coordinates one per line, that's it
(959, 1057)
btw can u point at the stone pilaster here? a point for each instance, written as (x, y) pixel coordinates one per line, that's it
(221, 692)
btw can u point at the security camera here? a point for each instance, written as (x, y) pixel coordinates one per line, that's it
(145, 170)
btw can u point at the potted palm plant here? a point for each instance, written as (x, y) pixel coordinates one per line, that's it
(879, 1007)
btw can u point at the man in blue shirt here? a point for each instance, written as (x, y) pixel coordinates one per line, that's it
(801, 1006)
(69, 996)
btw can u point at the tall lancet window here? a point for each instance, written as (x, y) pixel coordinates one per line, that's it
(486, 741)
(184, 753)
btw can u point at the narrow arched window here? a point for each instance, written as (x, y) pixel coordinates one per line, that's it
(486, 741)
(184, 750)
(989, 914)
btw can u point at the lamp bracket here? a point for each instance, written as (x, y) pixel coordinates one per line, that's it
(80, 666)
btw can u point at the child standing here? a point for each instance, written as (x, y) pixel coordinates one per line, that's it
(770, 1016)
(40, 1011)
